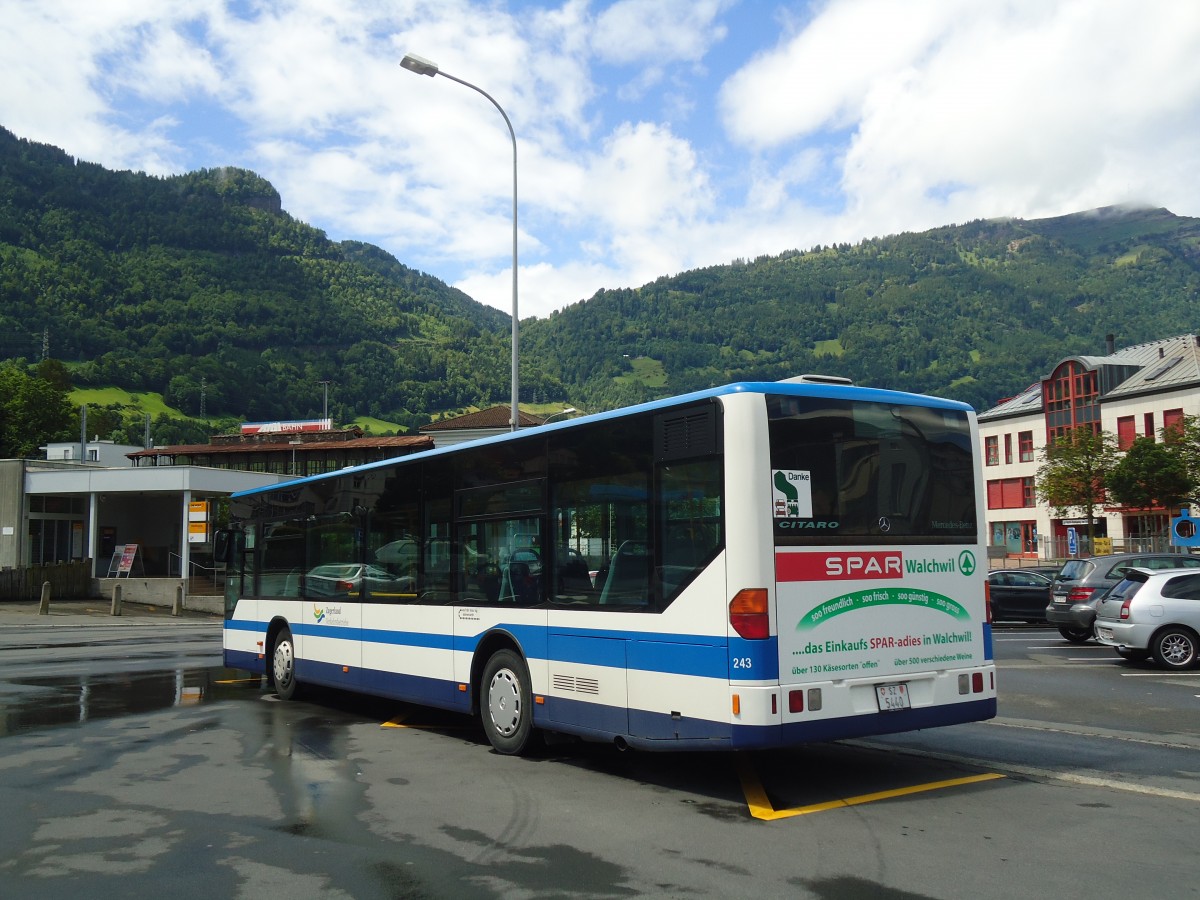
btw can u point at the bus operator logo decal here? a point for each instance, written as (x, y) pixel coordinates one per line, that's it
(319, 615)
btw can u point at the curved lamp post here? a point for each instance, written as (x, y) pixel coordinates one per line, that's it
(423, 66)
(562, 412)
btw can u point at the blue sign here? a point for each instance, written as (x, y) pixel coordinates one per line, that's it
(1072, 541)
(1185, 530)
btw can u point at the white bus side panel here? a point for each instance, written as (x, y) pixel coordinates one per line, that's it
(749, 540)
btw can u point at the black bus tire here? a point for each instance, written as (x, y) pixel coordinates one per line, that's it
(506, 704)
(283, 665)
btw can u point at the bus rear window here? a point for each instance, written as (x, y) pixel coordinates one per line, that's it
(846, 471)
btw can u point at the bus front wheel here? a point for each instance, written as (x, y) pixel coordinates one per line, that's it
(283, 665)
(507, 708)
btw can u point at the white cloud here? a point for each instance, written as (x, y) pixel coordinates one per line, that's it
(959, 110)
(169, 67)
(820, 77)
(657, 31)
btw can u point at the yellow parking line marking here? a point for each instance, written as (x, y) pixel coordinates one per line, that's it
(761, 808)
(257, 680)
(399, 722)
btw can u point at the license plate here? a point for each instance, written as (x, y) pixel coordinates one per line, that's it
(892, 696)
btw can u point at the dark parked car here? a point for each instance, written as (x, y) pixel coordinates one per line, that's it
(1018, 594)
(1081, 583)
(1153, 614)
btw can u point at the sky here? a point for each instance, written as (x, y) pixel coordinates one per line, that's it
(652, 136)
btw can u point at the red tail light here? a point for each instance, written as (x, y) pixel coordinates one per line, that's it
(1125, 608)
(346, 586)
(1079, 594)
(987, 600)
(748, 614)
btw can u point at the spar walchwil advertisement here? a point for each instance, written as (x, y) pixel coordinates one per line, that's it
(848, 613)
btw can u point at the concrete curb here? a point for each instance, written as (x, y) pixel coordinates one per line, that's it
(97, 612)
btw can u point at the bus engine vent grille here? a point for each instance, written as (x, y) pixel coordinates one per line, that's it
(564, 683)
(571, 684)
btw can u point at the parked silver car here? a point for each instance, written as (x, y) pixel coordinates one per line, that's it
(1081, 583)
(1153, 614)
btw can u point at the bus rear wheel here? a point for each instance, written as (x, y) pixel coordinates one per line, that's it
(506, 707)
(283, 665)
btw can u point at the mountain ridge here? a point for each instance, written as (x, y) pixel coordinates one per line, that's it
(203, 288)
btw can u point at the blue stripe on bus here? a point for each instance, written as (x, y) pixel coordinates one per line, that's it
(246, 660)
(407, 638)
(564, 714)
(677, 654)
(640, 728)
(753, 660)
(245, 625)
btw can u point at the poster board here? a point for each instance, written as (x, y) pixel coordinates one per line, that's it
(124, 560)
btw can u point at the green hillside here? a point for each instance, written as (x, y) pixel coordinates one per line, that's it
(202, 290)
(975, 311)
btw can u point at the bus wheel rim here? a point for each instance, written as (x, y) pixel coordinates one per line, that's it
(504, 702)
(284, 662)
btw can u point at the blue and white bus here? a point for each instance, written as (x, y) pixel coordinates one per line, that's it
(756, 565)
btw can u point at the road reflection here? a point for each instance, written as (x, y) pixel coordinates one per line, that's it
(29, 704)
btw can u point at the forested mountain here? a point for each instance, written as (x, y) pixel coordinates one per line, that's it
(976, 311)
(167, 284)
(201, 283)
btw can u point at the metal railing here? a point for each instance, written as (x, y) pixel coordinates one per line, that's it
(214, 574)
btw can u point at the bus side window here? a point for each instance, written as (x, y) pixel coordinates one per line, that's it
(690, 509)
(628, 581)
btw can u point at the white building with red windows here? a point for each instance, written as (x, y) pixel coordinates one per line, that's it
(1130, 393)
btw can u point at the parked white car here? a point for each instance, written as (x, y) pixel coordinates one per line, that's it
(1153, 614)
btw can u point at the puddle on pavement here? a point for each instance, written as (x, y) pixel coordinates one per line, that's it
(33, 703)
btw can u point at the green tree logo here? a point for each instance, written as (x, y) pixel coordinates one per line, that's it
(966, 562)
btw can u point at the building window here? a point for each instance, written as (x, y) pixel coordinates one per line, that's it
(1010, 493)
(1025, 446)
(1172, 424)
(1071, 399)
(1149, 425)
(1126, 432)
(1008, 449)
(991, 450)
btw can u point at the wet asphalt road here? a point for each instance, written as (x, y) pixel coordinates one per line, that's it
(132, 764)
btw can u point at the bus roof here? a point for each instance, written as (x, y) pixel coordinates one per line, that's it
(799, 387)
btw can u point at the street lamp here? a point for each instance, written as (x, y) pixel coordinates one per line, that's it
(325, 408)
(562, 412)
(422, 66)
